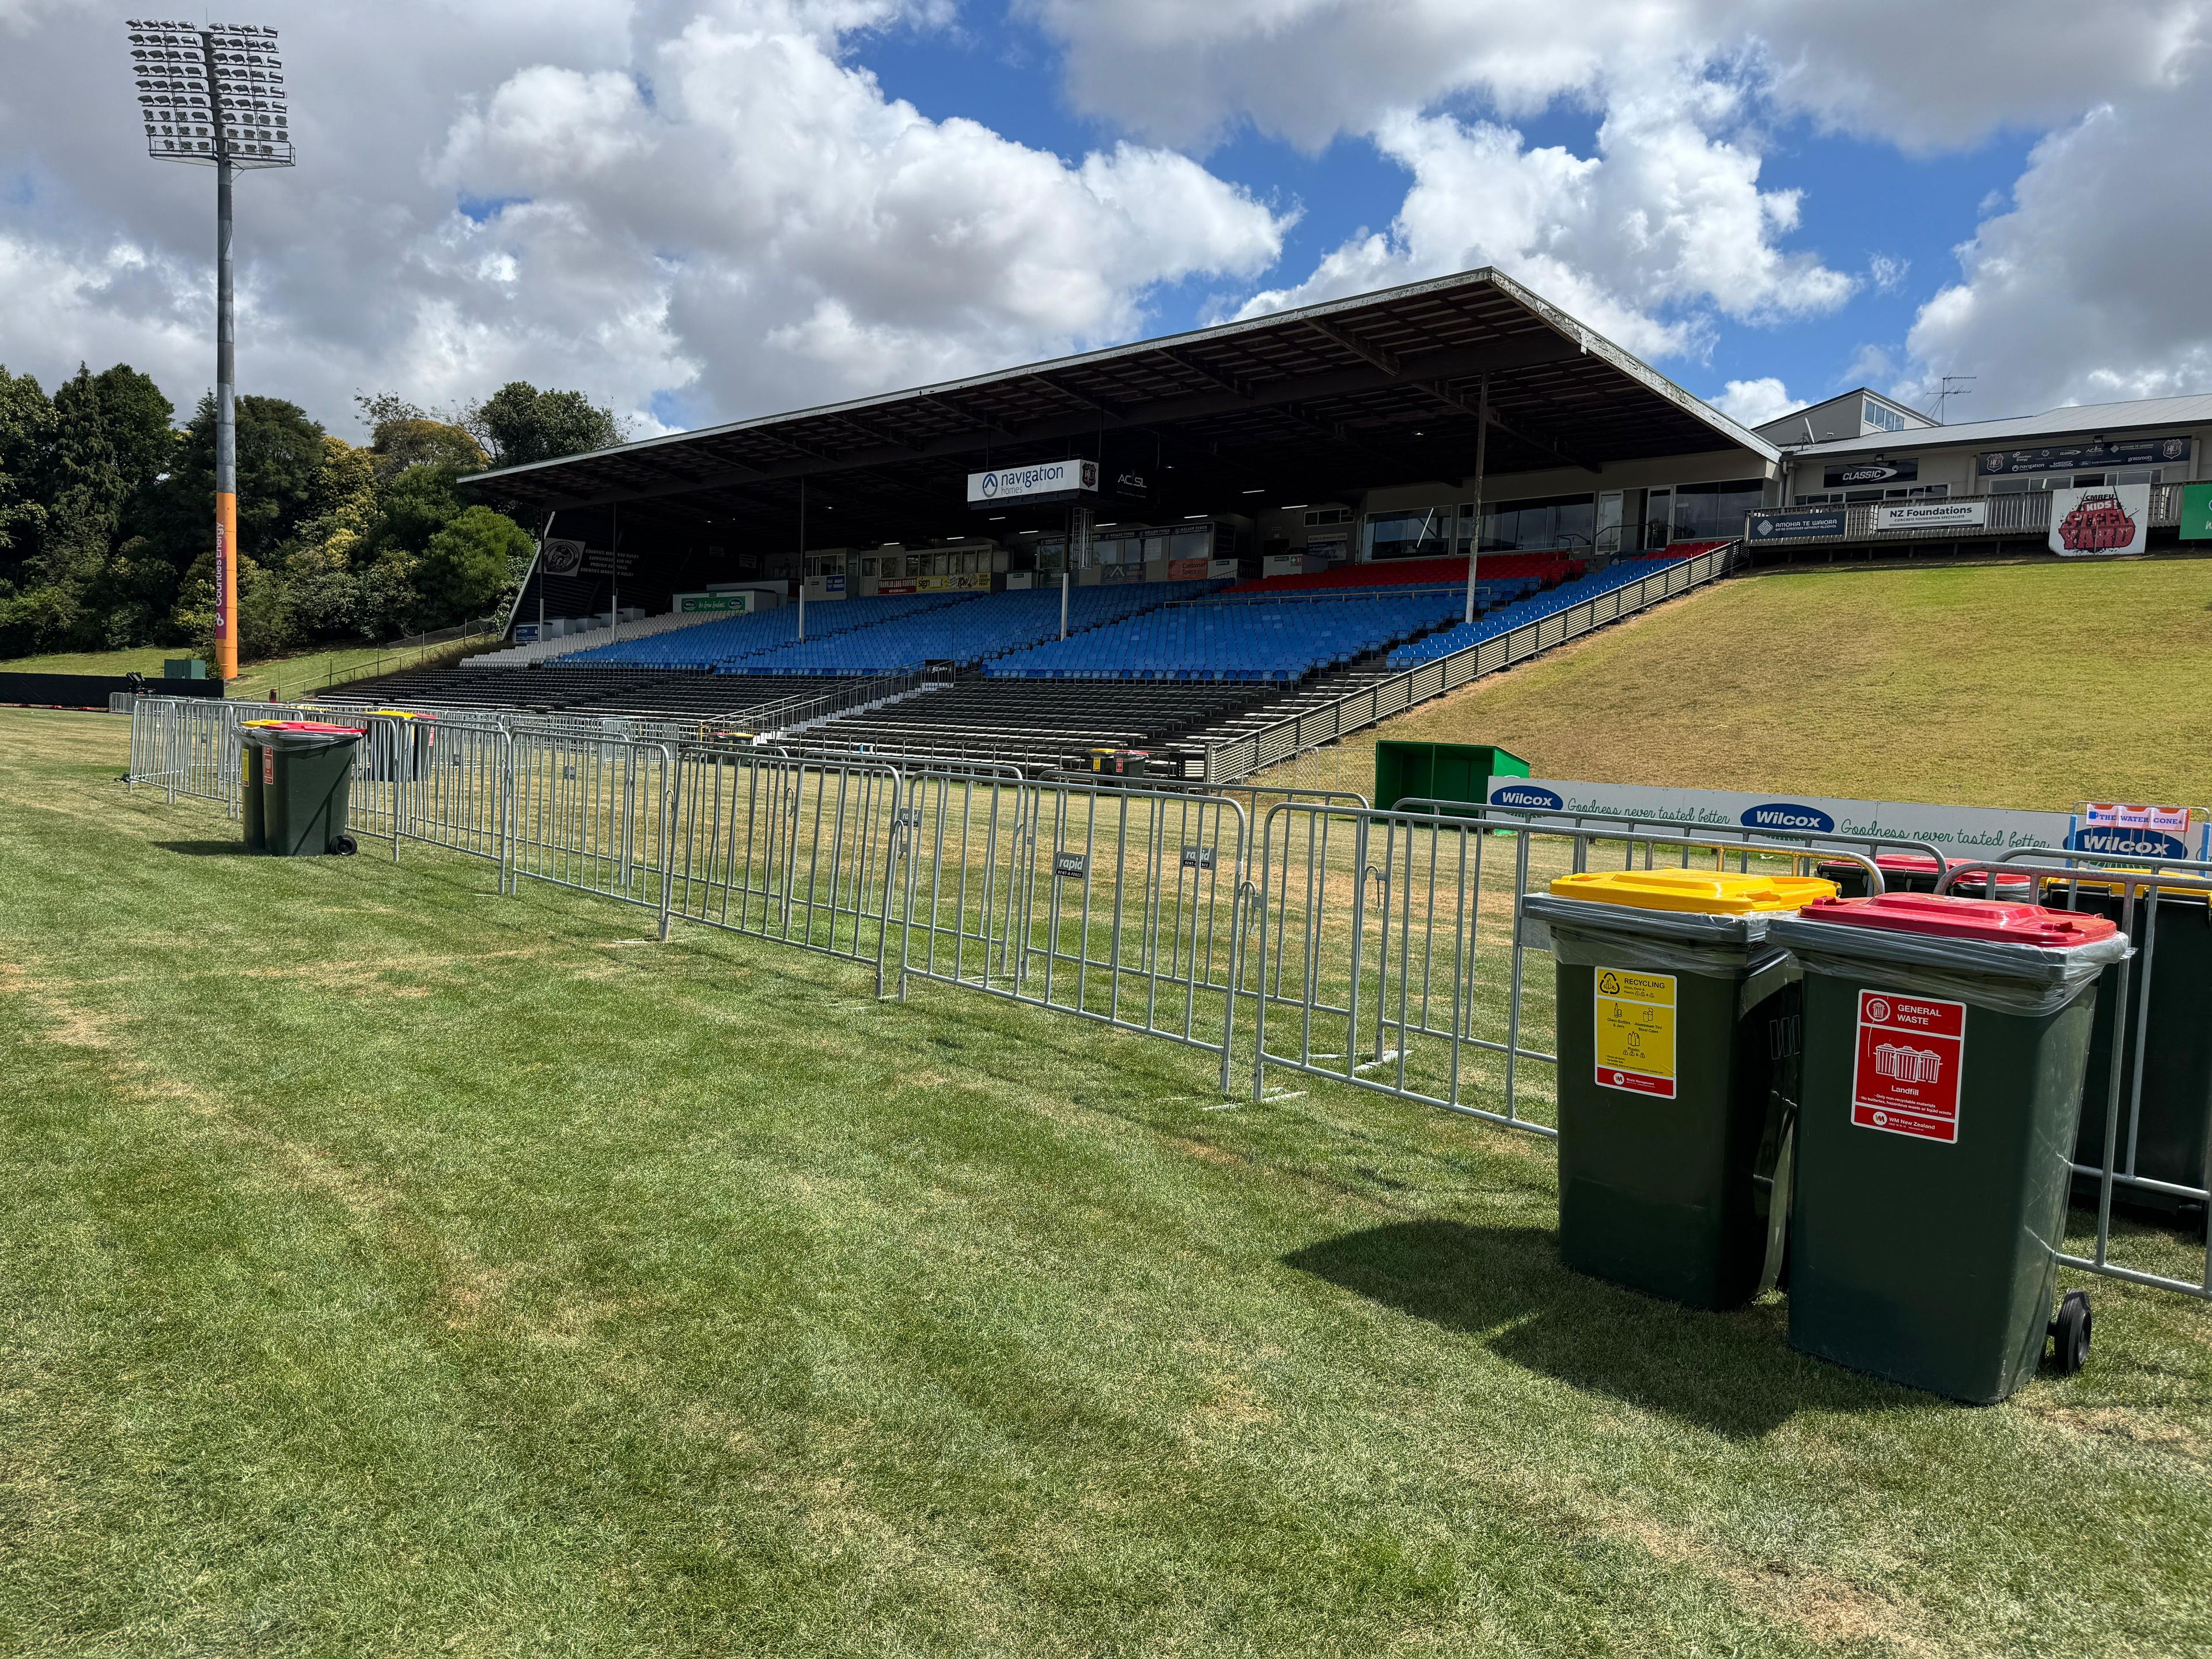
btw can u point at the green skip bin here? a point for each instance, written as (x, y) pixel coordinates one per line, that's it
(1675, 1014)
(1945, 1040)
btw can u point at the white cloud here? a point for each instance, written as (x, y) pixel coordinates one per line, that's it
(2089, 287)
(711, 202)
(1893, 70)
(1636, 240)
(1887, 272)
(1751, 403)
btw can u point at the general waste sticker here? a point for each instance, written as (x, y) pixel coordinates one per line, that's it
(1912, 1060)
(1636, 1032)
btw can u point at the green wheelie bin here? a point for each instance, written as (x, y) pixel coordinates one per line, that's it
(252, 768)
(1945, 1040)
(1675, 1017)
(307, 785)
(2169, 1138)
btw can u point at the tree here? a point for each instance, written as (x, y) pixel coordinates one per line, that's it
(472, 561)
(519, 424)
(280, 454)
(26, 428)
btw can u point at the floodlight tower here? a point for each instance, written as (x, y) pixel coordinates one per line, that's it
(215, 96)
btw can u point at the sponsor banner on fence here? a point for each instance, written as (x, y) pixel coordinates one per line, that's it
(1961, 832)
(2101, 521)
(1189, 570)
(1932, 515)
(2124, 831)
(1042, 480)
(1807, 521)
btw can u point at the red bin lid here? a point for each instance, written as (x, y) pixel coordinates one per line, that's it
(1996, 921)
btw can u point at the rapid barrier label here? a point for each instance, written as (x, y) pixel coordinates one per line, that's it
(1912, 1061)
(1635, 1028)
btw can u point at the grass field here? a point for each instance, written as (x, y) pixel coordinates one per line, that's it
(2034, 685)
(279, 677)
(393, 1266)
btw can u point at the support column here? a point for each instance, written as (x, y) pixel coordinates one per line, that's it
(1481, 453)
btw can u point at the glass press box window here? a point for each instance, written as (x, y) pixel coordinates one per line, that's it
(1426, 533)
(1711, 511)
(1536, 525)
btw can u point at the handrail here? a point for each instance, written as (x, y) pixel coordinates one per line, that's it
(812, 705)
(1294, 734)
(421, 645)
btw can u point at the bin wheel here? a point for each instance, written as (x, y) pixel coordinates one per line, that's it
(344, 846)
(2069, 1331)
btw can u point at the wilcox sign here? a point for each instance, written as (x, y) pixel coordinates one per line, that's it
(1961, 832)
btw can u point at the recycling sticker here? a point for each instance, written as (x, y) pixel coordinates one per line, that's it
(1635, 1031)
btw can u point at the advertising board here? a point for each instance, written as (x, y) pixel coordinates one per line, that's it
(1040, 481)
(2100, 521)
(1932, 515)
(1960, 833)
(1802, 521)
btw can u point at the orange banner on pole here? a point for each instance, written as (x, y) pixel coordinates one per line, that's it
(226, 586)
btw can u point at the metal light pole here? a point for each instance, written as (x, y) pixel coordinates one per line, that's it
(1482, 454)
(215, 96)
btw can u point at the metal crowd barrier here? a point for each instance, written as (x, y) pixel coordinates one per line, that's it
(2139, 882)
(1118, 905)
(1392, 956)
(1384, 950)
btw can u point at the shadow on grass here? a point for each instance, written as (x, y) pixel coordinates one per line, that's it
(1732, 1374)
(209, 849)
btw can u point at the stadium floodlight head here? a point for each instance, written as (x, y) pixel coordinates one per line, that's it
(214, 96)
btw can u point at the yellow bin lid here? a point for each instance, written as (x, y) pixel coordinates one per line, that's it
(1706, 892)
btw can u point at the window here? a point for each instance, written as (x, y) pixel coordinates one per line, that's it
(1541, 522)
(1328, 515)
(1881, 415)
(1714, 511)
(1425, 533)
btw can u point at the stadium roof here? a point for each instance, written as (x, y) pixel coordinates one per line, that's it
(2074, 420)
(1312, 403)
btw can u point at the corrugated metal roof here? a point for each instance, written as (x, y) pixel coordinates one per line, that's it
(1378, 389)
(2073, 420)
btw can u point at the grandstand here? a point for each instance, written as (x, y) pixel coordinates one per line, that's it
(1245, 522)
(1151, 665)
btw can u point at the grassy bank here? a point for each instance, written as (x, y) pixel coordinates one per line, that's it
(288, 677)
(2034, 686)
(391, 1266)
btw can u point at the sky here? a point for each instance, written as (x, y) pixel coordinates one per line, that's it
(696, 212)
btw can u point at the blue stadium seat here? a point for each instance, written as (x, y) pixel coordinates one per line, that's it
(1533, 607)
(1265, 637)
